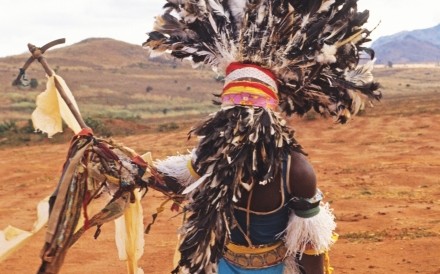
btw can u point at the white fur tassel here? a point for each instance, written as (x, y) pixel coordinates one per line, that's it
(316, 232)
(177, 167)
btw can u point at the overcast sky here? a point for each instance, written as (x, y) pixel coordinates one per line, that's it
(40, 21)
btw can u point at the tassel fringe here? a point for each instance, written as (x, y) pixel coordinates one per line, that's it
(310, 233)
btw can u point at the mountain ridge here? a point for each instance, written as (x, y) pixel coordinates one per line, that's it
(95, 52)
(417, 46)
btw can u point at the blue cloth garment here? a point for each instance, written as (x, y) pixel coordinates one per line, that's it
(264, 227)
(226, 268)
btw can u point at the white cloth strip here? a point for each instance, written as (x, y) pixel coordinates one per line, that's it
(253, 73)
(12, 238)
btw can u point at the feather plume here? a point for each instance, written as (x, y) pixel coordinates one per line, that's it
(177, 167)
(332, 36)
(237, 9)
(295, 39)
(361, 75)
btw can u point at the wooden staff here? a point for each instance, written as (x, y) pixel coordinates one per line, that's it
(37, 54)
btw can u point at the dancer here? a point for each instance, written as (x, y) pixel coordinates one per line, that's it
(253, 205)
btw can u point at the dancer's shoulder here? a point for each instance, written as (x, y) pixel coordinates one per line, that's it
(302, 178)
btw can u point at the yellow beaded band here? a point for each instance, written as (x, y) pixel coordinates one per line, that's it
(192, 171)
(255, 257)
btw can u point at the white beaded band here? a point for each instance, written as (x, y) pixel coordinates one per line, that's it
(250, 72)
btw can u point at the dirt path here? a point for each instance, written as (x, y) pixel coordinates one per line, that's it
(380, 174)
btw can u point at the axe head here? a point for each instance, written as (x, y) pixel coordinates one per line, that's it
(21, 80)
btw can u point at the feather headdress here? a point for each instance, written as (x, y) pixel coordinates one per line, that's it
(313, 47)
(295, 54)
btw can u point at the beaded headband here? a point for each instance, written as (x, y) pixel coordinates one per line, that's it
(249, 85)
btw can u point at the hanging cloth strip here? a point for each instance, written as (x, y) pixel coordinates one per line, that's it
(51, 109)
(12, 238)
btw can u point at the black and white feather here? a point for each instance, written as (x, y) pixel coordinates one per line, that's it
(313, 47)
(239, 146)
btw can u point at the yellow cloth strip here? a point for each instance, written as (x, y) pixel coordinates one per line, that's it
(242, 89)
(129, 235)
(241, 249)
(327, 268)
(192, 171)
(312, 251)
(12, 238)
(51, 109)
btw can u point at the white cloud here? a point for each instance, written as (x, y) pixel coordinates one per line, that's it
(38, 22)
(24, 21)
(399, 15)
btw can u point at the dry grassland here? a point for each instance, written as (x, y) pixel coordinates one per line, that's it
(380, 173)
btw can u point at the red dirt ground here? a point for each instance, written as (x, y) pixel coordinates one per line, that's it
(381, 175)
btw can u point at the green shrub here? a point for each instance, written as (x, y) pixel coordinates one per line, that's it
(167, 127)
(34, 83)
(28, 128)
(23, 106)
(8, 126)
(98, 127)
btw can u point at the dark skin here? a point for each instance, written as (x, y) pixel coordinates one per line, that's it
(302, 183)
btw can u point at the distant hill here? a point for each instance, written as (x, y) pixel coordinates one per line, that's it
(112, 79)
(417, 46)
(95, 52)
